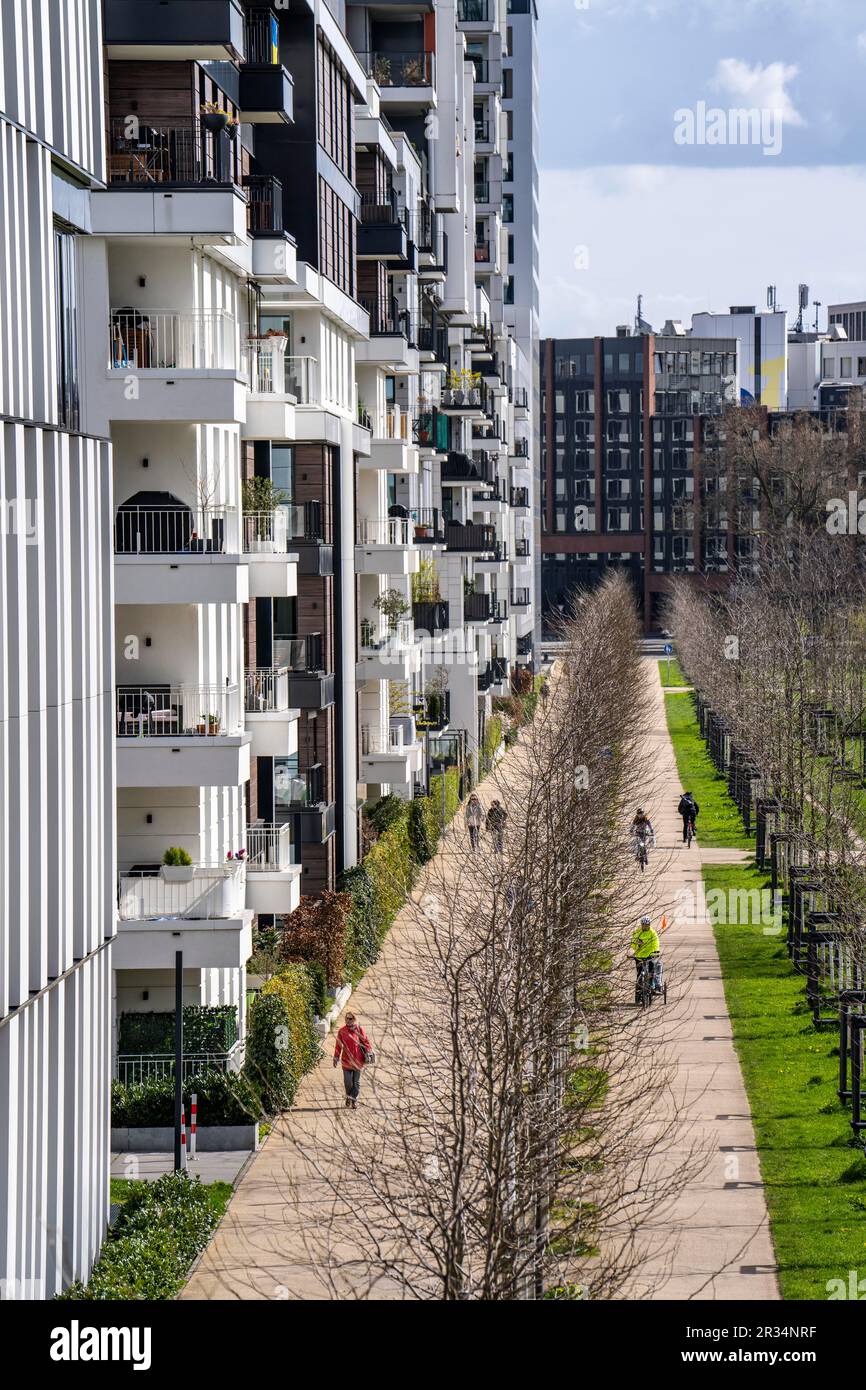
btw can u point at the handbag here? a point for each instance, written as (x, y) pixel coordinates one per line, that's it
(369, 1055)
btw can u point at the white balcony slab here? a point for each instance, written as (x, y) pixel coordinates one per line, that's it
(269, 417)
(218, 943)
(389, 664)
(387, 559)
(391, 456)
(390, 350)
(187, 761)
(180, 579)
(397, 766)
(272, 576)
(207, 216)
(274, 733)
(275, 259)
(274, 890)
(215, 396)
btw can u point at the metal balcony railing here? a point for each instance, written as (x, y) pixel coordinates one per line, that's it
(459, 467)
(432, 431)
(169, 711)
(376, 637)
(259, 37)
(265, 209)
(482, 68)
(427, 230)
(400, 69)
(303, 521)
(141, 152)
(269, 848)
(474, 536)
(176, 530)
(482, 191)
(208, 892)
(385, 317)
(521, 549)
(520, 397)
(432, 711)
(500, 669)
(464, 397)
(266, 533)
(485, 677)
(377, 211)
(428, 524)
(304, 788)
(482, 252)
(267, 364)
(520, 598)
(430, 616)
(300, 654)
(385, 530)
(473, 11)
(393, 423)
(378, 740)
(520, 497)
(520, 449)
(432, 337)
(482, 134)
(164, 339)
(478, 608)
(266, 690)
(302, 379)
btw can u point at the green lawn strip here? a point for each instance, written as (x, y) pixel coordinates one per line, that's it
(815, 1182)
(719, 823)
(676, 676)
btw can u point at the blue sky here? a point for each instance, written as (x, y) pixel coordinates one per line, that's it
(626, 208)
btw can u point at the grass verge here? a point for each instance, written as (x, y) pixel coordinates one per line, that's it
(676, 676)
(814, 1181)
(719, 823)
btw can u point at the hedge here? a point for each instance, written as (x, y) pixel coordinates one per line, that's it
(392, 872)
(294, 986)
(362, 939)
(161, 1228)
(271, 1065)
(224, 1098)
(206, 1028)
(316, 932)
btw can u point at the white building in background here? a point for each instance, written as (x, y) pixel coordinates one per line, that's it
(762, 354)
(57, 910)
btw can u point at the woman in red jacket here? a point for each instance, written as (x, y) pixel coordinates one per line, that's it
(354, 1050)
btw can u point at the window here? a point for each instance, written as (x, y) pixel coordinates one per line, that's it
(66, 350)
(861, 366)
(625, 361)
(508, 208)
(845, 368)
(584, 402)
(618, 402)
(508, 83)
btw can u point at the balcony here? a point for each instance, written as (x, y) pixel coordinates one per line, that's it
(460, 470)
(485, 679)
(522, 549)
(473, 12)
(429, 527)
(487, 436)
(520, 498)
(470, 401)
(201, 912)
(520, 598)
(500, 682)
(273, 878)
(388, 344)
(382, 233)
(392, 448)
(273, 573)
(301, 799)
(403, 78)
(146, 154)
(427, 230)
(432, 342)
(385, 545)
(520, 449)
(520, 397)
(392, 755)
(387, 653)
(270, 718)
(477, 608)
(431, 432)
(167, 552)
(175, 711)
(433, 713)
(430, 617)
(482, 132)
(473, 538)
(310, 687)
(180, 735)
(174, 30)
(187, 364)
(305, 529)
(265, 87)
(271, 404)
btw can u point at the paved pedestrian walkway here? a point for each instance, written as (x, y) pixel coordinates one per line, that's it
(287, 1235)
(713, 1240)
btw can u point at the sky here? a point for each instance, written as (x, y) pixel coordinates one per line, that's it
(652, 184)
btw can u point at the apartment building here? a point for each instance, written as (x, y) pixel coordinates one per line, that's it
(622, 422)
(56, 682)
(295, 340)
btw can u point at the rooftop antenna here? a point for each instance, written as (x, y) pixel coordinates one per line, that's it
(816, 304)
(803, 301)
(771, 298)
(639, 315)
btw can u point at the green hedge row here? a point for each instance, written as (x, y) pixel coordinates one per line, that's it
(206, 1028)
(161, 1228)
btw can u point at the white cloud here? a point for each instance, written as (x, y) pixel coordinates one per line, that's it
(861, 43)
(690, 238)
(759, 86)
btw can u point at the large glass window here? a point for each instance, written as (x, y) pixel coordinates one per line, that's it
(67, 328)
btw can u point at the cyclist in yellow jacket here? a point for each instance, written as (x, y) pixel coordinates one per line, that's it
(645, 945)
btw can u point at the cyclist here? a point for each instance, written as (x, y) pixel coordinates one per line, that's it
(688, 809)
(645, 946)
(642, 834)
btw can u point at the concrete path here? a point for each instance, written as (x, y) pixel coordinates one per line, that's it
(713, 1240)
(210, 1167)
(287, 1236)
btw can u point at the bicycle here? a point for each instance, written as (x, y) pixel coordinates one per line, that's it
(690, 832)
(650, 982)
(642, 852)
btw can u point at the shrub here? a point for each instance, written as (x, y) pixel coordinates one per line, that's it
(224, 1098)
(316, 931)
(161, 1228)
(362, 937)
(392, 872)
(421, 842)
(271, 1065)
(177, 858)
(319, 985)
(387, 811)
(452, 794)
(206, 1028)
(293, 985)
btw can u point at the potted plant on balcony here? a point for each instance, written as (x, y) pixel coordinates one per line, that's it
(213, 117)
(233, 125)
(260, 500)
(214, 722)
(382, 70)
(366, 633)
(413, 72)
(177, 866)
(393, 605)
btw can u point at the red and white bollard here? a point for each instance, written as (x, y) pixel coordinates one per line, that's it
(183, 1155)
(193, 1115)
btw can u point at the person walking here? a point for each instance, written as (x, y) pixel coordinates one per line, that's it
(354, 1051)
(474, 820)
(496, 819)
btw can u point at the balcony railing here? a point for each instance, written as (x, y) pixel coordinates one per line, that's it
(482, 194)
(464, 397)
(266, 690)
(381, 212)
(302, 379)
(400, 69)
(459, 467)
(474, 536)
(432, 337)
(428, 524)
(385, 530)
(482, 432)
(169, 711)
(427, 230)
(375, 638)
(521, 548)
(303, 521)
(473, 11)
(135, 1067)
(485, 677)
(260, 37)
(520, 598)
(269, 848)
(520, 497)
(187, 153)
(482, 134)
(163, 339)
(177, 530)
(391, 740)
(302, 788)
(386, 319)
(432, 712)
(478, 608)
(208, 893)
(432, 431)
(482, 68)
(520, 449)
(265, 210)
(266, 533)
(482, 252)
(500, 669)
(300, 654)
(393, 424)
(520, 397)
(430, 616)
(267, 364)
